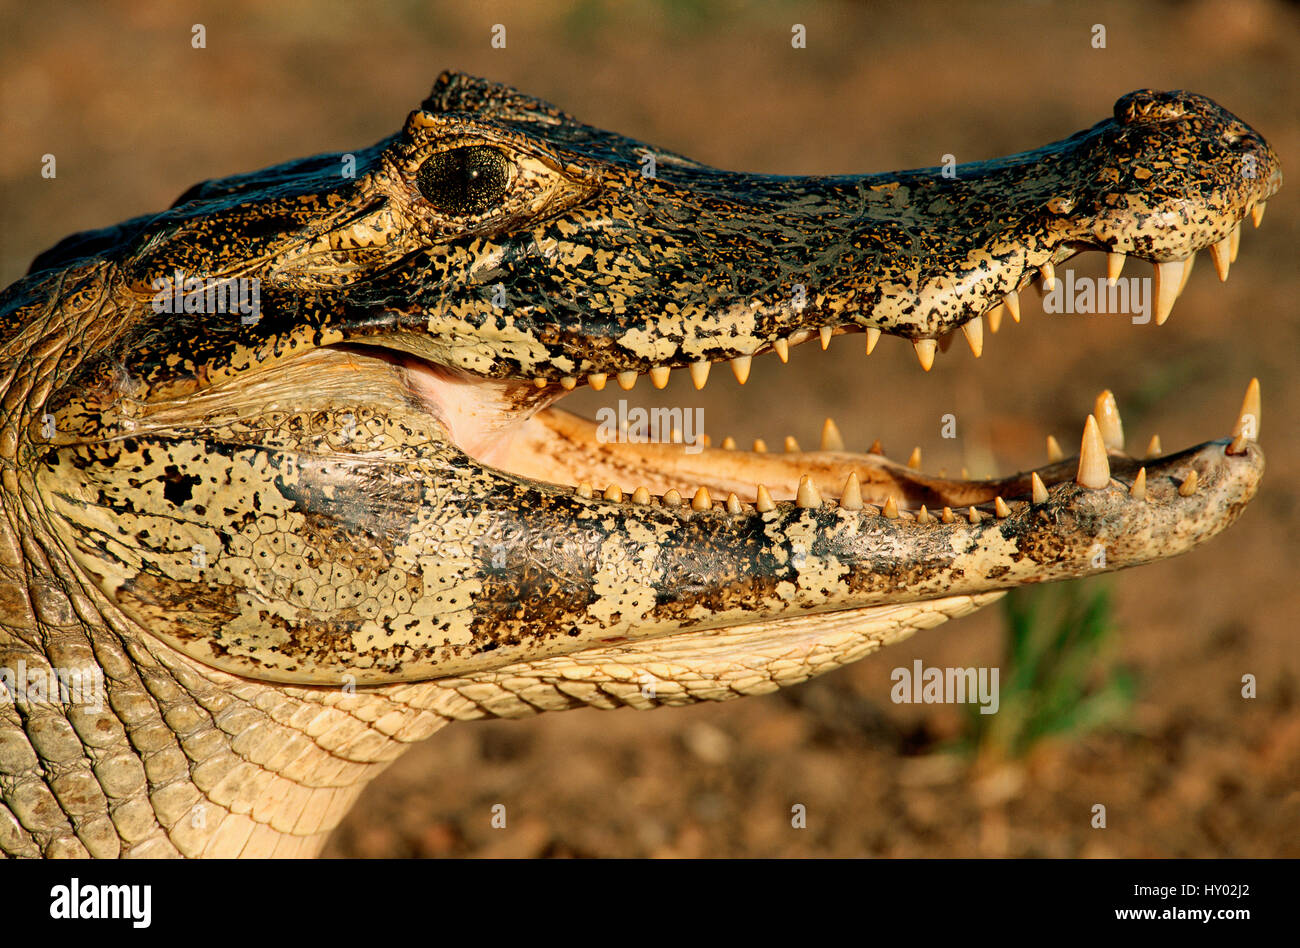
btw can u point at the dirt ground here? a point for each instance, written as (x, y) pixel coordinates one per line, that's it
(135, 115)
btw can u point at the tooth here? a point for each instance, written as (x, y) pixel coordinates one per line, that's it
(807, 495)
(1038, 488)
(791, 446)
(1114, 266)
(702, 500)
(1000, 508)
(584, 490)
(876, 448)
(613, 492)
(851, 498)
(740, 366)
(569, 383)
(1154, 449)
(1094, 469)
(782, 347)
(597, 380)
(1248, 417)
(964, 475)
(1219, 253)
(873, 337)
(1188, 487)
(925, 352)
(1187, 273)
(540, 383)
(826, 337)
(733, 504)
(700, 374)
(760, 446)
(640, 496)
(1054, 452)
(1238, 445)
(973, 330)
(1048, 273)
(831, 439)
(995, 317)
(947, 516)
(672, 498)
(765, 501)
(728, 443)
(923, 515)
(1012, 301)
(891, 509)
(626, 380)
(1257, 213)
(972, 515)
(914, 459)
(1169, 277)
(1107, 413)
(1234, 243)
(1139, 489)
(659, 376)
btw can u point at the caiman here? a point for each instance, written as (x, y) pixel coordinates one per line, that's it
(282, 476)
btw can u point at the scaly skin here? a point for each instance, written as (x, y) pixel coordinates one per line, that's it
(366, 487)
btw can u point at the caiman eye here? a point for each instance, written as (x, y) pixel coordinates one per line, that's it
(465, 181)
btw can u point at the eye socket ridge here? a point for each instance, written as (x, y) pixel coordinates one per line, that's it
(465, 181)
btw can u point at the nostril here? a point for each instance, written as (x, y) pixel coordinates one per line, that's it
(1153, 106)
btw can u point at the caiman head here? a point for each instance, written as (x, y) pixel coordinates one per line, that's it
(299, 427)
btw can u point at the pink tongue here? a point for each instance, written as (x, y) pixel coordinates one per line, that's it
(481, 415)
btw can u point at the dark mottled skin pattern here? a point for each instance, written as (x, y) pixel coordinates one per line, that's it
(186, 481)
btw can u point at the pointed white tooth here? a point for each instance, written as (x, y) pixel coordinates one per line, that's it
(640, 496)
(1220, 253)
(740, 367)
(584, 490)
(782, 347)
(1139, 489)
(995, 317)
(831, 438)
(728, 443)
(1248, 418)
(702, 500)
(1154, 448)
(973, 330)
(1169, 277)
(948, 516)
(613, 492)
(597, 380)
(890, 510)
(1107, 413)
(1054, 452)
(1187, 273)
(972, 515)
(733, 504)
(826, 336)
(791, 446)
(1114, 266)
(851, 498)
(914, 459)
(873, 337)
(876, 448)
(1188, 487)
(1094, 468)
(925, 352)
(626, 380)
(807, 495)
(659, 376)
(760, 446)
(1012, 301)
(1257, 213)
(1048, 273)
(569, 383)
(1234, 243)
(672, 498)
(1038, 490)
(1238, 445)
(764, 503)
(1000, 508)
(700, 374)
(540, 383)
(923, 515)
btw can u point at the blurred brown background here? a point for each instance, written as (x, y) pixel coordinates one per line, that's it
(135, 115)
